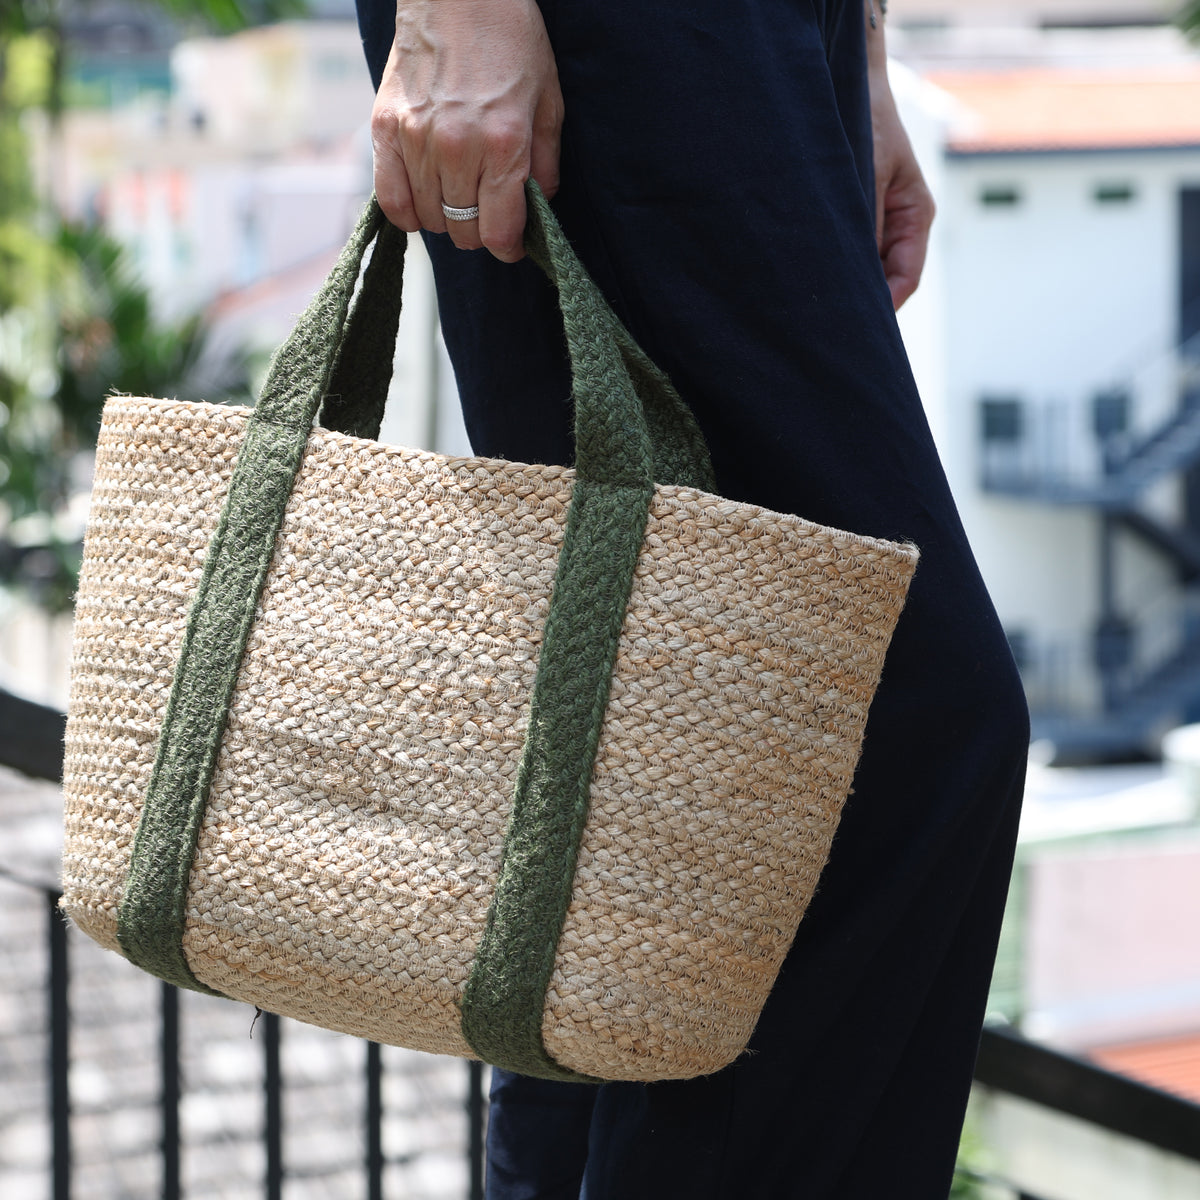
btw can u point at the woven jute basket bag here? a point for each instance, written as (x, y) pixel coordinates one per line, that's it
(525, 763)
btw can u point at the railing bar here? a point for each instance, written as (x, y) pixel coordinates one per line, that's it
(40, 885)
(374, 1122)
(273, 1116)
(1009, 1063)
(31, 737)
(60, 1050)
(476, 1113)
(170, 1092)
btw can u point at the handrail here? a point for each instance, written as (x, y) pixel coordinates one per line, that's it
(273, 1086)
(31, 737)
(1007, 1061)
(1010, 1063)
(31, 741)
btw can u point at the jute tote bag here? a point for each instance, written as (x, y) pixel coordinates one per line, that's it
(524, 763)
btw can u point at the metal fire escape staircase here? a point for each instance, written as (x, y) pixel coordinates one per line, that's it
(1135, 702)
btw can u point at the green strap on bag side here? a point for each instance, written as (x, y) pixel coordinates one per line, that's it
(151, 916)
(631, 430)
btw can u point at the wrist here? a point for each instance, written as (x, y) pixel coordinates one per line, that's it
(873, 11)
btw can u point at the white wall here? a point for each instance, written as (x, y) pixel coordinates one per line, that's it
(275, 86)
(1059, 295)
(1050, 300)
(200, 230)
(993, 13)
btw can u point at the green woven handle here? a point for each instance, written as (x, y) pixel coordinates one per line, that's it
(604, 358)
(631, 428)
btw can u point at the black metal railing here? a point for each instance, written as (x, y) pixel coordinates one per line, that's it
(60, 1049)
(268, 1030)
(1104, 450)
(1007, 1063)
(31, 738)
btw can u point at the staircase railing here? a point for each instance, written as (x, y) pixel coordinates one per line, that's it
(1061, 452)
(1158, 677)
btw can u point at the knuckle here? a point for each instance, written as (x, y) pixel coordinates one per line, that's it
(383, 120)
(385, 128)
(452, 140)
(510, 140)
(412, 128)
(400, 213)
(505, 248)
(506, 142)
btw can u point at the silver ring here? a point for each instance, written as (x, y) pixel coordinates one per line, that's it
(461, 214)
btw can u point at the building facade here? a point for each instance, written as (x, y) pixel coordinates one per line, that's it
(1063, 379)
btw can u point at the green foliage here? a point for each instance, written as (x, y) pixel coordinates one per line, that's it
(107, 337)
(28, 70)
(75, 320)
(972, 1168)
(966, 1185)
(19, 16)
(84, 330)
(22, 80)
(1188, 19)
(226, 16)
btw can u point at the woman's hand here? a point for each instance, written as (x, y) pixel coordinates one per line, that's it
(468, 109)
(904, 207)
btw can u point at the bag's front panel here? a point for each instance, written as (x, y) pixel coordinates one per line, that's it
(162, 471)
(348, 854)
(353, 832)
(746, 666)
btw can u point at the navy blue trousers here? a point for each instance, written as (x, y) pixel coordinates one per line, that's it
(717, 182)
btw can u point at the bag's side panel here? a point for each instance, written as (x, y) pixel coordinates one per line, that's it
(162, 471)
(350, 847)
(750, 653)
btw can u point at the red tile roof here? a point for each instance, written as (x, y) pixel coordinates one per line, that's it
(1074, 108)
(1172, 1064)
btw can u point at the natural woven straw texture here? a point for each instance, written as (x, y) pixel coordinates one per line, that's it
(354, 827)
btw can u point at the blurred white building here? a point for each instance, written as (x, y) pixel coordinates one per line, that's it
(1055, 339)
(1056, 344)
(237, 189)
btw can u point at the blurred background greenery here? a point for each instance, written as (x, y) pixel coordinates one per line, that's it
(76, 322)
